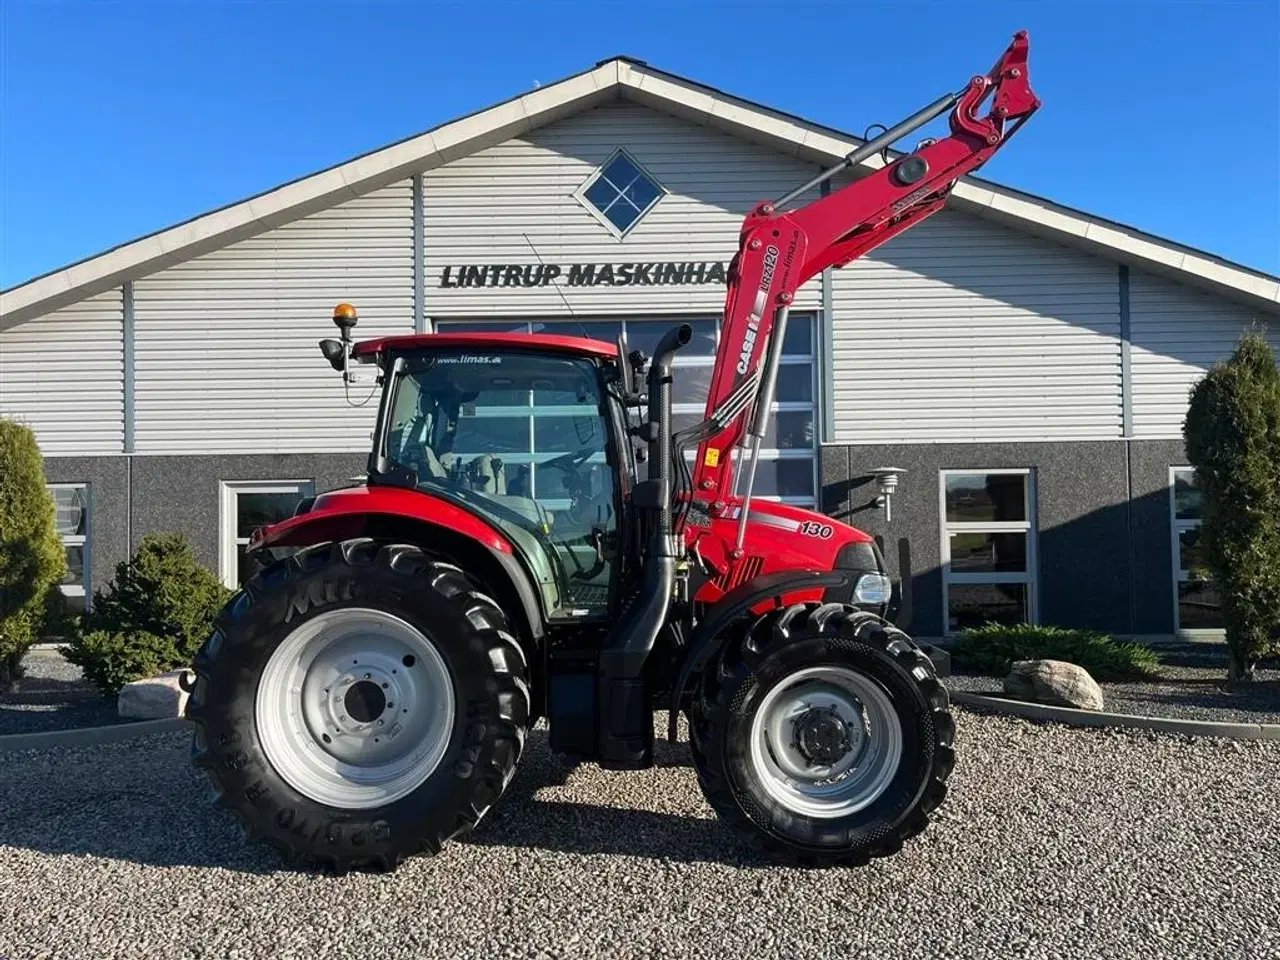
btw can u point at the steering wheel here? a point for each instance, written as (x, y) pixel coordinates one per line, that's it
(577, 486)
(570, 462)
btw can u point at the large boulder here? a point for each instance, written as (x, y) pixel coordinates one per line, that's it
(156, 698)
(1054, 682)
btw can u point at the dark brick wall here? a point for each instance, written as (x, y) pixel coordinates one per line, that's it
(181, 494)
(1103, 524)
(1103, 516)
(108, 531)
(133, 496)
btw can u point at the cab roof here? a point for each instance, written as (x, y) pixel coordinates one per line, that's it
(552, 343)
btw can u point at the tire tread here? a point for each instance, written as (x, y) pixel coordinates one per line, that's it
(723, 687)
(507, 687)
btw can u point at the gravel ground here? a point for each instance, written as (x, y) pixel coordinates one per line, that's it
(1055, 842)
(1191, 686)
(53, 696)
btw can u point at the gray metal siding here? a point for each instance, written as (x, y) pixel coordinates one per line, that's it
(500, 205)
(63, 375)
(226, 343)
(964, 330)
(1178, 333)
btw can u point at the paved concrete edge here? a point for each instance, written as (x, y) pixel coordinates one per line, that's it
(89, 736)
(1089, 718)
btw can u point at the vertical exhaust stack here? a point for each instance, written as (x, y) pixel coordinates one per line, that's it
(625, 709)
(660, 413)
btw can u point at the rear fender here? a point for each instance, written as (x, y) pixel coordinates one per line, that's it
(440, 529)
(756, 596)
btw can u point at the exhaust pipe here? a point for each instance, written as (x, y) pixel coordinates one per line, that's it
(660, 413)
(625, 709)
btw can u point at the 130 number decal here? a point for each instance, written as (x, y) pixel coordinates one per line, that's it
(812, 528)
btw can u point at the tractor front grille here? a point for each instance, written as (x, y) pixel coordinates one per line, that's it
(739, 573)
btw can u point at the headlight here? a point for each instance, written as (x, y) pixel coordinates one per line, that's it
(873, 588)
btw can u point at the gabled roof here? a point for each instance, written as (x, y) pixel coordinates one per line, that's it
(633, 80)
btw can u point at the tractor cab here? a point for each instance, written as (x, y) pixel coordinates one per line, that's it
(529, 434)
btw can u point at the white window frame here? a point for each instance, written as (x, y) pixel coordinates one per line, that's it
(581, 193)
(80, 590)
(1180, 575)
(1029, 526)
(228, 501)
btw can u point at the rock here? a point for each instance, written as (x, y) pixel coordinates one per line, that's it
(156, 698)
(1054, 682)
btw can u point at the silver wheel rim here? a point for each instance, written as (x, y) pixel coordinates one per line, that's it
(826, 742)
(355, 708)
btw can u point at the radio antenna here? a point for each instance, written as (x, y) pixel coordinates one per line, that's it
(563, 298)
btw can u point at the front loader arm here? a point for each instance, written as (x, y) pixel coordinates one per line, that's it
(779, 251)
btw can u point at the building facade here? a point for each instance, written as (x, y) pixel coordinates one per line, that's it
(1027, 365)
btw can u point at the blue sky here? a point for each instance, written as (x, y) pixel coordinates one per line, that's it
(118, 118)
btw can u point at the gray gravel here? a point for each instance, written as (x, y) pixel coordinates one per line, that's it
(53, 695)
(1055, 842)
(1190, 686)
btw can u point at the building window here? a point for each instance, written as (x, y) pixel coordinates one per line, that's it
(620, 193)
(788, 469)
(71, 504)
(247, 505)
(988, 547)
(1198, 605)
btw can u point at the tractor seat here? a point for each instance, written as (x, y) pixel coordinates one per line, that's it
(487, 475)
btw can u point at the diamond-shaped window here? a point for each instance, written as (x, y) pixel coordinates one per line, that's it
(621, 192)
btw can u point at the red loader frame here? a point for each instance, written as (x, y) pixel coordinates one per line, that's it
(779, 251)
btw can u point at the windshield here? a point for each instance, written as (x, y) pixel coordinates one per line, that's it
(519, 438)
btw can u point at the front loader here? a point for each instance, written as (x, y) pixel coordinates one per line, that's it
(365, 696)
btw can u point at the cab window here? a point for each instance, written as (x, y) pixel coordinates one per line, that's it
(520, 438)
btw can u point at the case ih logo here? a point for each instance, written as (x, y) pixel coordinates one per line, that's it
(582, 274)
(753, 321)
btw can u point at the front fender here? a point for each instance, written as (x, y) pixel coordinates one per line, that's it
(442, 528)
(348, 512)
(754, 596)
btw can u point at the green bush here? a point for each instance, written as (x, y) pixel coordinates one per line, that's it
(1232, 432)
(110, 660)
(993, 648)
(151, 618)
(32, 561)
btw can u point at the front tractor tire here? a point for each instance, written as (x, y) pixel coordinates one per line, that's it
(822, 736)
(359, 703)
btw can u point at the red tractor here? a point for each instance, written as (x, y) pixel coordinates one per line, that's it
(367, 697)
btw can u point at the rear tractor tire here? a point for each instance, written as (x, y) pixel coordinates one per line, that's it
(359, 703)
(822, 736)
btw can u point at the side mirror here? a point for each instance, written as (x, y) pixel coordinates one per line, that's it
(335, 352)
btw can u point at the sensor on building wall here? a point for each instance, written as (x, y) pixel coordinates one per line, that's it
(887, 480)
